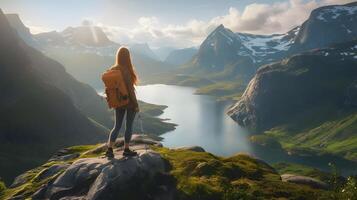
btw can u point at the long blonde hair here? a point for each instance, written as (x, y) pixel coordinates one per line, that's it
(123, 60)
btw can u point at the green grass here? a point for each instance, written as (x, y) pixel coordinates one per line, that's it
(32, 184)
(151, 109)
(201, 175)
(2, 187)
(81, 148)
(266, 141)
(337, 135)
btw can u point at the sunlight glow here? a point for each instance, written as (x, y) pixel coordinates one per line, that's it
(94, 34)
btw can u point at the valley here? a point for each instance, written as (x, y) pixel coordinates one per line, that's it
(288, 100)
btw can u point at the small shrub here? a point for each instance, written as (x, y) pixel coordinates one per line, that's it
(342, 190)
(349, 189)
(2, 187)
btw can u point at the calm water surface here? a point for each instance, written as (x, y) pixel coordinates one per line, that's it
(201, 120)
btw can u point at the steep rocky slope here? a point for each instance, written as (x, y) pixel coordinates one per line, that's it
(53, 73)
(157, 173)
(308, 99)
(36, 117)
(21, 29)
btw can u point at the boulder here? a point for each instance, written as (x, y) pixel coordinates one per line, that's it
(118, 178)
(19, 180)
(54, 169)
(304, 180)
(65, 157)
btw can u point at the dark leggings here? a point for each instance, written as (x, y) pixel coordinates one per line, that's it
(119, 116)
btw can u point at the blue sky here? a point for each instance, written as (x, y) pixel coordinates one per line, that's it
(120, 12)
(165, 22)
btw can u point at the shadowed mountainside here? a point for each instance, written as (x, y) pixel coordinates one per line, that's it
(306, 101)
(36, 116)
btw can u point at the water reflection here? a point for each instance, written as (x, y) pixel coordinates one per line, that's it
(202, 121)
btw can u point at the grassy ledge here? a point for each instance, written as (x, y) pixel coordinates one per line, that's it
(201, 175)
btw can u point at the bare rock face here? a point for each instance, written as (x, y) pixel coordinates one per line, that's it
(100, 178)
(90, 178)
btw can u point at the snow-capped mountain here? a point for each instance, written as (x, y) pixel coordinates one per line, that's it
(224, 47)
(85, 39)
(325, 26)
(328, 25)
(218, 49)
(262, 48)
(86, 52)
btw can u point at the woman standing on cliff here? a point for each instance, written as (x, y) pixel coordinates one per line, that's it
(123, 63)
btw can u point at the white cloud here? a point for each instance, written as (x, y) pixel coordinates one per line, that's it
(255, 18)
(38, 29)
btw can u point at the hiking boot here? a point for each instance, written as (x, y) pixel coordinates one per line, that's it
(128, 152)
(109, 153)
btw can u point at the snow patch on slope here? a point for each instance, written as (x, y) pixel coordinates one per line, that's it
(335, 12)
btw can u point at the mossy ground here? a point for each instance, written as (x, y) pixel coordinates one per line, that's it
(2, 187)
(201, 175)
(31, 185)
(266, 141)
(336, 135)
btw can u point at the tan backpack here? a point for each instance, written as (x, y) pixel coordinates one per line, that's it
(115, 88)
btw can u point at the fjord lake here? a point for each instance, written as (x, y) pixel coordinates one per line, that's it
(202, 121)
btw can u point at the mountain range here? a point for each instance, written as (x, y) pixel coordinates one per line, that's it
(307, 101)
(325, 26)
(231, 59)
(86, 51)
